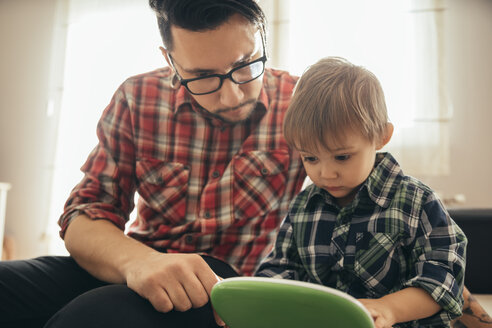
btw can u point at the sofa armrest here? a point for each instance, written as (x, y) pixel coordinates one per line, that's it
(477, 226)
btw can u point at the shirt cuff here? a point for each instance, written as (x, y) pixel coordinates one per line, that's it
(94, 212)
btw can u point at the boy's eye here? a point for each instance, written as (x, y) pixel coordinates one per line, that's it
(309, 159)
(342, 157)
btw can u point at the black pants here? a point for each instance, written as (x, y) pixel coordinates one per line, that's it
(57, 292)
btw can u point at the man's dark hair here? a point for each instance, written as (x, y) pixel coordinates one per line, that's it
(201, 15)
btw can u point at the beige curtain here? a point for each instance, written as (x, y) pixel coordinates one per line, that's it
(423, 147)
(402, 42)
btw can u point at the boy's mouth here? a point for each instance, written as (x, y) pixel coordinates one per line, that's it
(334, 188)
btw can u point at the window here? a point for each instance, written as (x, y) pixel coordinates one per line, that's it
(107, 41)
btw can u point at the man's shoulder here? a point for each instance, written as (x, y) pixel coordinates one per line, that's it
(153, 84)
(163, 73)
(276, 77)
(280, 74)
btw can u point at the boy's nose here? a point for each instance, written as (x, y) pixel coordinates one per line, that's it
(328, 173)
(231, 94)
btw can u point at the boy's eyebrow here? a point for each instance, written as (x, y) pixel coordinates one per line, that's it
(340, 149)
(334, 150)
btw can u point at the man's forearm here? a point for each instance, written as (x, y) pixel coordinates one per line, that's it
(102, 249)
(474, 315)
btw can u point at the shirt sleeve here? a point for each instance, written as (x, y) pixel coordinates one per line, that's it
(284, 260)
(438, 259)
(107, 188)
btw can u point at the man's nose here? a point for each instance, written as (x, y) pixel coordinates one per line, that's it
(231, 94)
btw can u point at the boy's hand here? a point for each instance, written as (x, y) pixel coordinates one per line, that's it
(218, 320)
(380, 312)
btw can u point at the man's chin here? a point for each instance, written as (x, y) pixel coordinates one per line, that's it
(238, 115)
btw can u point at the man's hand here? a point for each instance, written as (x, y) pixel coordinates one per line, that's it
(168, 281)
(172, 281)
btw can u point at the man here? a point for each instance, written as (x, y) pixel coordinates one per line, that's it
(201, 143)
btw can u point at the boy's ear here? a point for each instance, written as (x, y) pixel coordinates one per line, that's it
(388, 133)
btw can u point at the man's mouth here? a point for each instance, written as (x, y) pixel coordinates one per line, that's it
(233, 109)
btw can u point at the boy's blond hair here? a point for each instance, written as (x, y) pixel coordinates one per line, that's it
(332, 96)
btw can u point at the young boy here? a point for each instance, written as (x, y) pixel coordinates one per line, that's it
(363, 227)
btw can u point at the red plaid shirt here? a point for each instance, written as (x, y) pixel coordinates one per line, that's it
(204, 186)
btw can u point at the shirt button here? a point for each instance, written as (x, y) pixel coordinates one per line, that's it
(215, 174)
(189, 239)
(264, 171)
(207, 215)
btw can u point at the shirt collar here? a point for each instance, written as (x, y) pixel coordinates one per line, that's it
(316, 193)
(182, 98)
(384, 180)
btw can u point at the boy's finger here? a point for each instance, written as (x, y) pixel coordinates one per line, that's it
(219, 321)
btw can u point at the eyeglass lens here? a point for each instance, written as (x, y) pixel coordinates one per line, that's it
(241, 75)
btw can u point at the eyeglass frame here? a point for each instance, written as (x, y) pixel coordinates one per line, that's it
(222, 77)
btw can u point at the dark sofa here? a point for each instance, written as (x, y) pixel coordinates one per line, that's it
(477, 226)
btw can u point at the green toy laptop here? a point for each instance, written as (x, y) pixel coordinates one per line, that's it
(254, 302)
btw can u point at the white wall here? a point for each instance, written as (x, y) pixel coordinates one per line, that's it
(469, 59)
(27, 134)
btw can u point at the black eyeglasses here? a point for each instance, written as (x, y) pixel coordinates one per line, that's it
(210, 83)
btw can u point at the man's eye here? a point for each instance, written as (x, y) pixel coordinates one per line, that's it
(342, 158)
(310, 159)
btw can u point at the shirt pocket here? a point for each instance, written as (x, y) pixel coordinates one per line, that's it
(163, 187)
(377, 262)
(259, 179)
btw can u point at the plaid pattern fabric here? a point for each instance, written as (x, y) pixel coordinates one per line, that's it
(394, 234)
(204, 185)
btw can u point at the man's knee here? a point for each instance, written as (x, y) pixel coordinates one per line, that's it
(119, 306)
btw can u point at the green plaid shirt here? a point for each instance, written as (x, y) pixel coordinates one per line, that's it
(395, 234)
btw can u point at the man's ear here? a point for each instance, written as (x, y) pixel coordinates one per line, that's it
(164, 53)
(388, 133)
(175, 80)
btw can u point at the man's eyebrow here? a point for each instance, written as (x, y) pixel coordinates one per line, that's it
(205, 71)
(198, 71)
